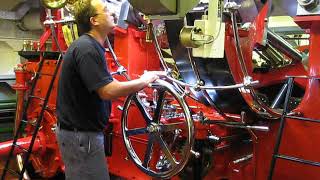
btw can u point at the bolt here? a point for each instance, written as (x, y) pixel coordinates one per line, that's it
(308, 4)
(196, 154)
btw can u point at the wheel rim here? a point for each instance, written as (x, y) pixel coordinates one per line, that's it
(167, 139)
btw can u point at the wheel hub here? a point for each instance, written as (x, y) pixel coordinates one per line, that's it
(153, 128)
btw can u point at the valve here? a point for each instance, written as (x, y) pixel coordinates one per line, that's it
(169, 124)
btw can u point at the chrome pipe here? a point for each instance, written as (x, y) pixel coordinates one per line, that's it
(258, 128)
(261, 108)
(117, 62)
(236, 86)
(237, 125)
(283, 46)
(157, 46)
(237, 42)
(194, 68)
(245, 158)
(280, 96)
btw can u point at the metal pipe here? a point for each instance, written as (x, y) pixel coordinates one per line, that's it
(298, 160)
(157, 46)
(116, 60)
(280, 96)
(264, 57)
(232, 7)
(216, 139)
(51, 21)
(258, 128)
(280, 130)
(237, 42)
(283, 46)
(245, 158)
(22, 142)
(237, 125)
(274, 55)
(236, 86)
(194, 68)
(19, 110)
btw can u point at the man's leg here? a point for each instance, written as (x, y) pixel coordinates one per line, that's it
(83, 155)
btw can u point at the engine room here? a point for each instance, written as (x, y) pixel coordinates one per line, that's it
(236, 98)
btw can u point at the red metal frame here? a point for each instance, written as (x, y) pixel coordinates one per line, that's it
(136, 56)
(299, 137)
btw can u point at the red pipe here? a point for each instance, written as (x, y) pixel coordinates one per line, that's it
(19, 110)
(22, 142)
(20, 86)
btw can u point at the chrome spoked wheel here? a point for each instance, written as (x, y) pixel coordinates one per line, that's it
(158, 130)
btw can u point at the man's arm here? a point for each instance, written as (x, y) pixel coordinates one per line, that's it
(117, 89)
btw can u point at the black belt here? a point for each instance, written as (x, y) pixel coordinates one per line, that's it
(65, 127)
(69, 128)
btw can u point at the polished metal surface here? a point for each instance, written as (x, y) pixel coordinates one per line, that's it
(237, 125)
(195, 86)
(186, 37)
(54, 4)
(257, 105)
(167, 165)
(232, 8)
(283, 46)
(57, 4)
(158, 49)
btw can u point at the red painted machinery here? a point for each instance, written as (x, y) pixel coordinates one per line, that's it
(249, 113)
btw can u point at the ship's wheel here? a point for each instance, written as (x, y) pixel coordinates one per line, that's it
(158, 130)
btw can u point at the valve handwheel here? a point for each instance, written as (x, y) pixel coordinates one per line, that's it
(160, 120)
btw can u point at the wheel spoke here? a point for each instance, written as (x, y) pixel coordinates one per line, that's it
(166, 150)
(160, 102)
(147, 156)
(145, 114)
(136, 131)
(170, 127)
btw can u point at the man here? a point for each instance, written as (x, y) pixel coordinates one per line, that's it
(84, 93)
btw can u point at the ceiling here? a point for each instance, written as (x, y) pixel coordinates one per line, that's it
(17, 9)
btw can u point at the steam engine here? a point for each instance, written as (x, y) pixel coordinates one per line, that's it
(239, 100)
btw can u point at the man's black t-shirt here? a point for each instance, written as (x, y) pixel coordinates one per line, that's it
(83, 72)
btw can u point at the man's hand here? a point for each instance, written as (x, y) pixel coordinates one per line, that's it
(151, 76)
(117, 89)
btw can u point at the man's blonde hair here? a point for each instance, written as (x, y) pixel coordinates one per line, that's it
(83, 11)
